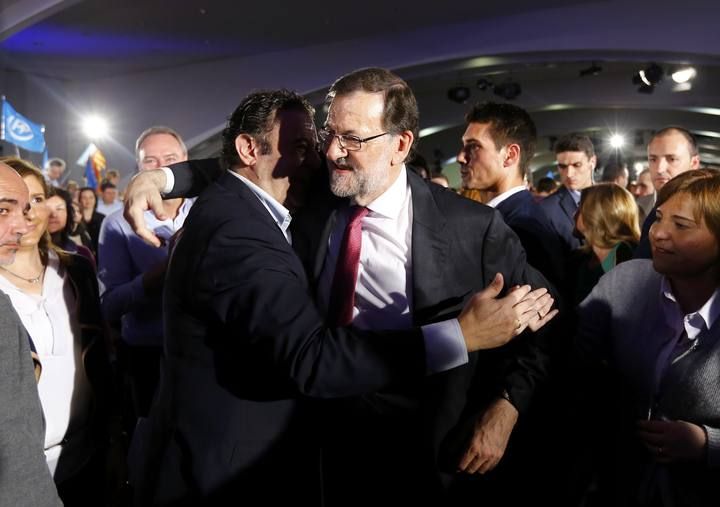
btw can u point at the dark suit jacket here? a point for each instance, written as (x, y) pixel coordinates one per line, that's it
(643, 250)
(560, 209)
(542, 244)
(457, 247)
(244, 345)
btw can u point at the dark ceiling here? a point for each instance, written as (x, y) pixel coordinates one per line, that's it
(132, 56)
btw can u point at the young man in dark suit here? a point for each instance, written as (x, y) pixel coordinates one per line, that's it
(245, 344)
(576, 162)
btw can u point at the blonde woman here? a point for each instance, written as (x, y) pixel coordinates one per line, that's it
(607, 217)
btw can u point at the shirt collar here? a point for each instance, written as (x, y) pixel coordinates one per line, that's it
(279, 213)
(390, 202)
(495, 201)
(693, 322)
(575, 194)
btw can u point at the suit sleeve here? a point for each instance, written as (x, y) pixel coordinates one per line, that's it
(260, 293)
(527, 356)
(194, 176)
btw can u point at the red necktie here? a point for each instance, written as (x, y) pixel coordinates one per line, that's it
(342, 293)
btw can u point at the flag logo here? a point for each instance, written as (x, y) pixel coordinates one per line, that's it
(18, 129)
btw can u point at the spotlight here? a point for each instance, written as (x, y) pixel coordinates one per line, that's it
(617, 141)
(95, 127)
(593, 70)
(459, 94)
(684, 75)
(483, 84)
(508, 90)
(647, 78)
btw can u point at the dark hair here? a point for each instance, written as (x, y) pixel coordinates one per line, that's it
(702, 186)
(692, 142)
(256, 116)
(400, 111)
(575, 142)
(88, 189)
(613, 170)
(546, 185)
(106, 184)
(61, 238)
(508, 124)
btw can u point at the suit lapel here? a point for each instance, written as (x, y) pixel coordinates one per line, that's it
(567, 203)
(429, 248)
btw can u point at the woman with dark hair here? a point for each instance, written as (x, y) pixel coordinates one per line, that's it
(653, 325)
(55, 293)
(61, 224)
(91, 219)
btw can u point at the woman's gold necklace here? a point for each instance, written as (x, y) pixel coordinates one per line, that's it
(28, 280)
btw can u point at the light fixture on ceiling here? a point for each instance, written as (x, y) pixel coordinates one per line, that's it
(509, 90)
(95, 127)
(459, 94)
(484, 84)
(648, 78)
(617, 141)
(593, 70)
(683, 75)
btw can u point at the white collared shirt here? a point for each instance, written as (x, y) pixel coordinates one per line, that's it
(279, 213)
(383, 290)
(495, 201)
(692, 323)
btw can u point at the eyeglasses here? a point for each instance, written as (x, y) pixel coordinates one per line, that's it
(347, 142)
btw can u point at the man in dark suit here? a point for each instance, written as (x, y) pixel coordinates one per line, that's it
(576, 162)
(244, 343)
(498, 144)
(671, 151)
(423, 250)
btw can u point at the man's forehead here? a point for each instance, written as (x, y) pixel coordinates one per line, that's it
(572, 155)
(161, 141)
(671, 142)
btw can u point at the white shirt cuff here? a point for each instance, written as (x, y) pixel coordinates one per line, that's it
(169, 180)
(444, 346)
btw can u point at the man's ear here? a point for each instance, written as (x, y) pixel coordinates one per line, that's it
(593, 162)
(512, 155)
(247, 149)
(404, 143)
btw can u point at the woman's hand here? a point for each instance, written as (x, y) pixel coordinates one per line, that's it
(673, 441)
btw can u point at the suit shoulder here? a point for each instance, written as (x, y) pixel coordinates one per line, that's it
(449, 201)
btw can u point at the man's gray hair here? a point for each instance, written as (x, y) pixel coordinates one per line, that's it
(158, 129)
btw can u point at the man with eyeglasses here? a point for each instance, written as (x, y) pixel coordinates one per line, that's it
(423, 252)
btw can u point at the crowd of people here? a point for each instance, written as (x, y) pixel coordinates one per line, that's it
(315, 317)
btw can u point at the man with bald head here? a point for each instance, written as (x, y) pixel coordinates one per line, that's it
(671, 151)
(24, 476)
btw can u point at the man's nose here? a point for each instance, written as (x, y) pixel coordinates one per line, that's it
(333, 150)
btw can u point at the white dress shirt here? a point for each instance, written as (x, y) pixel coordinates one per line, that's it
(383, 290)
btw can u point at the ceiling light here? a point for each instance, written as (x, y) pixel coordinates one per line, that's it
(684, 75)
(483, 84)
(459, 94)
(593, 70)
(647, 78)
(95, 127)
(617, 141)
(508, 90)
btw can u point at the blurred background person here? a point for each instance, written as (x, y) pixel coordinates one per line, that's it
(91, 219)
(54, 171)
(62, 222)
(607, 218)
(616, 172)
(109, 202)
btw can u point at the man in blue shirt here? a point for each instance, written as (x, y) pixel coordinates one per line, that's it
(132, 272)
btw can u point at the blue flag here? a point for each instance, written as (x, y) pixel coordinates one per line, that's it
(20, 131)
